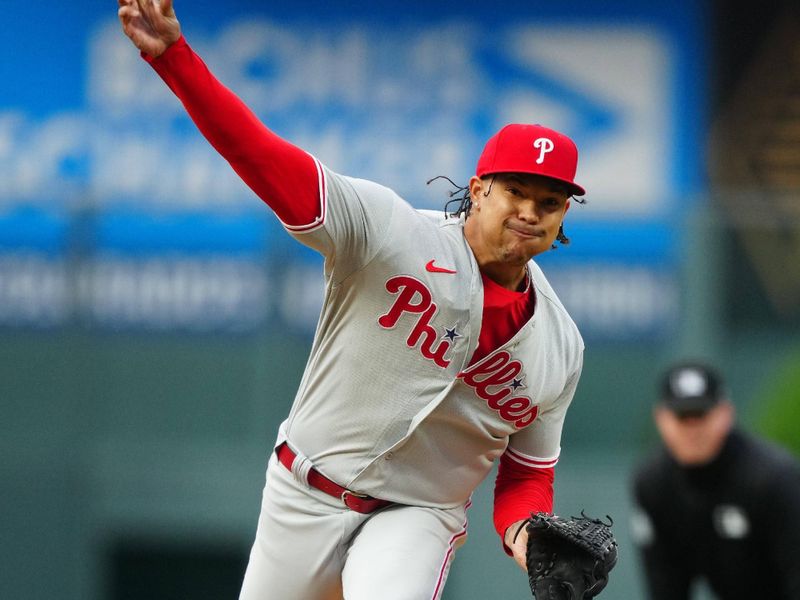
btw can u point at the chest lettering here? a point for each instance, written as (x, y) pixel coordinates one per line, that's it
(495, 379)
(413, 297)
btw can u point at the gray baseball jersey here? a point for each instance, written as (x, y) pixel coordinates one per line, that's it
(389, 404)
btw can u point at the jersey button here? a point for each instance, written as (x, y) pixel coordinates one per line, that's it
(389, 456)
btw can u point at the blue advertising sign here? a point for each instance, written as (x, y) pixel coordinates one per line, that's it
(170, 239)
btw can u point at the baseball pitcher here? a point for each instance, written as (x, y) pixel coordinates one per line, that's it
(441, 348)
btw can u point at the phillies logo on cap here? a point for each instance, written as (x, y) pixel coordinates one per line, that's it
(544, 145)
(534, 149)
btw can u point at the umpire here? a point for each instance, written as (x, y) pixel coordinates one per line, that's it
(715, 502)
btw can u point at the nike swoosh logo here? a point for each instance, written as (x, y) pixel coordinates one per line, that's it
(432, 268)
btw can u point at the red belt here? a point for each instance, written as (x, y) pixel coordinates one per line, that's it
(352, 500)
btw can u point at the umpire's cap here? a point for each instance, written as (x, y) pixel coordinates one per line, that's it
(691, 388)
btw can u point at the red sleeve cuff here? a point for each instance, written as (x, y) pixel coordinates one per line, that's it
(171, 49)
(519, 491)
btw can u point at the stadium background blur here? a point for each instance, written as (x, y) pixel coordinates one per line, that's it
(154, 320)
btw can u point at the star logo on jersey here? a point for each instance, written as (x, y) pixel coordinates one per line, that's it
(496, 379)
(451, 333)
(432, 268)
(516, 383)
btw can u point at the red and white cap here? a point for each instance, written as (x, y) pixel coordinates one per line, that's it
(535, 149)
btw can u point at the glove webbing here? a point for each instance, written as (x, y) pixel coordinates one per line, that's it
(592, 535)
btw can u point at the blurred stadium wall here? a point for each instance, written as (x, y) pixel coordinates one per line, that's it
(154, 320)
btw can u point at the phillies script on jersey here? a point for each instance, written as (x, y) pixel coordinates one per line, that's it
(498, 370)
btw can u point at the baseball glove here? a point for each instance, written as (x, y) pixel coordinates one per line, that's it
(569, 559)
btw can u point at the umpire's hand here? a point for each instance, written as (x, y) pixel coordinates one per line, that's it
(151, 24)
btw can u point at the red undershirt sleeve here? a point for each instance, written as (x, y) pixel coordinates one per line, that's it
(519, 491)
(284, 176)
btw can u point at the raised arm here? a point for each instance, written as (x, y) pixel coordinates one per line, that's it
(284, 176)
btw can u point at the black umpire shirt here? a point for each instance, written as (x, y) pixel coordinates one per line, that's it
(735, 522)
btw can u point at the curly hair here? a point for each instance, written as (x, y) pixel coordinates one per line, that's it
(462, 197)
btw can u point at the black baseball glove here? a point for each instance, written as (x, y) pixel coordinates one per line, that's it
(569, 559)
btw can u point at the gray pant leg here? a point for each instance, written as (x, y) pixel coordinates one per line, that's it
(403, 553)
(298, 552)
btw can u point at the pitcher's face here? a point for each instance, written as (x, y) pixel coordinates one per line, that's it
(514, 216)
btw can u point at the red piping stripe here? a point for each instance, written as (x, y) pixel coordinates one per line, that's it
(323, 205)
(449, 553)
(529, 461)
